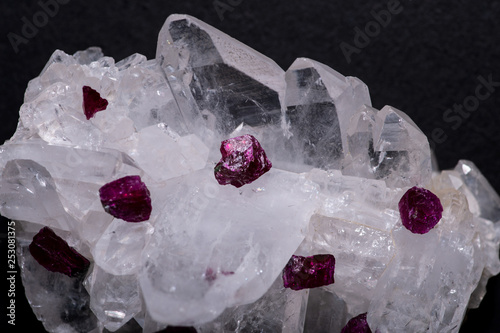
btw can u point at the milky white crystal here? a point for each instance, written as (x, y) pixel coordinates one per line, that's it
(211, 256)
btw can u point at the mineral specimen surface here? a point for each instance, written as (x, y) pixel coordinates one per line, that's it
(346, 183)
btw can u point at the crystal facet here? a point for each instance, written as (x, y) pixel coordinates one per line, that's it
(127, 198)
(243, 161)
(357, 324)
(420, 210)
(309, 272)
(53, 253)
(92, 102)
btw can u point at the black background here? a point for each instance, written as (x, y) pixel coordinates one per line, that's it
(423, 62)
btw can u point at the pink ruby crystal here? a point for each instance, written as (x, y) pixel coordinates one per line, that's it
(92, 102)
(211, 275)
(309, 272)
(127, 198)
(420, 210)
(53, 253)
(243, 161)
(357, 324)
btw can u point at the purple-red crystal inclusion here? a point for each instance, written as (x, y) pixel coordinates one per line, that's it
(420, 210)
(357, 324)
(53, 253)
(127, 198)
(309, 272)
(92, 102)
(243, 161)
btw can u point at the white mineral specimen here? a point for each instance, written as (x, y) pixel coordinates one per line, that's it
(211, 256)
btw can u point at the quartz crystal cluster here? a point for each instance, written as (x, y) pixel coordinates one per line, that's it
(116, 180)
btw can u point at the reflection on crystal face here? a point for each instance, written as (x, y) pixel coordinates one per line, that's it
(234, 98)
(211, 256)
(210, 72)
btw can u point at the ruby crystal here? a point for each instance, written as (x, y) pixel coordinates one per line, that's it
(92, 102)
(53, 253)
(127, 198)
(243, 161)
(309, 272)
(357, 324)
(420, 210)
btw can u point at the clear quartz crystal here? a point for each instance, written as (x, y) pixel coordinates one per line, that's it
(114, 299)
(278, 310)
(206, 229)
(482, 198)
(211, 256)
(60, 302)
(217, 78)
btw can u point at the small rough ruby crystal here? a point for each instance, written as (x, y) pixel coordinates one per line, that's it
(127, 198)
(243, 161)
(309, 272)
(357, 324)
(420, 210)
(53, 253)
(92, 102)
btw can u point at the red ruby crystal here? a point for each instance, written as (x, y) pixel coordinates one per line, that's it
(92, 102)
(53, 253)
(127, 198)
(357, 324)
(243, 161)
(309, 272)
(420, 210)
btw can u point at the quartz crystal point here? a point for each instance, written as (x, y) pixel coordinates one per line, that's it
(309, 272)
(211, 256)
(217, 78)
(243, 161)
(28, 193)
(53, 253)
(114, 299)
(482, 198)
(401, 152)
(397, 150)
(320, 103)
